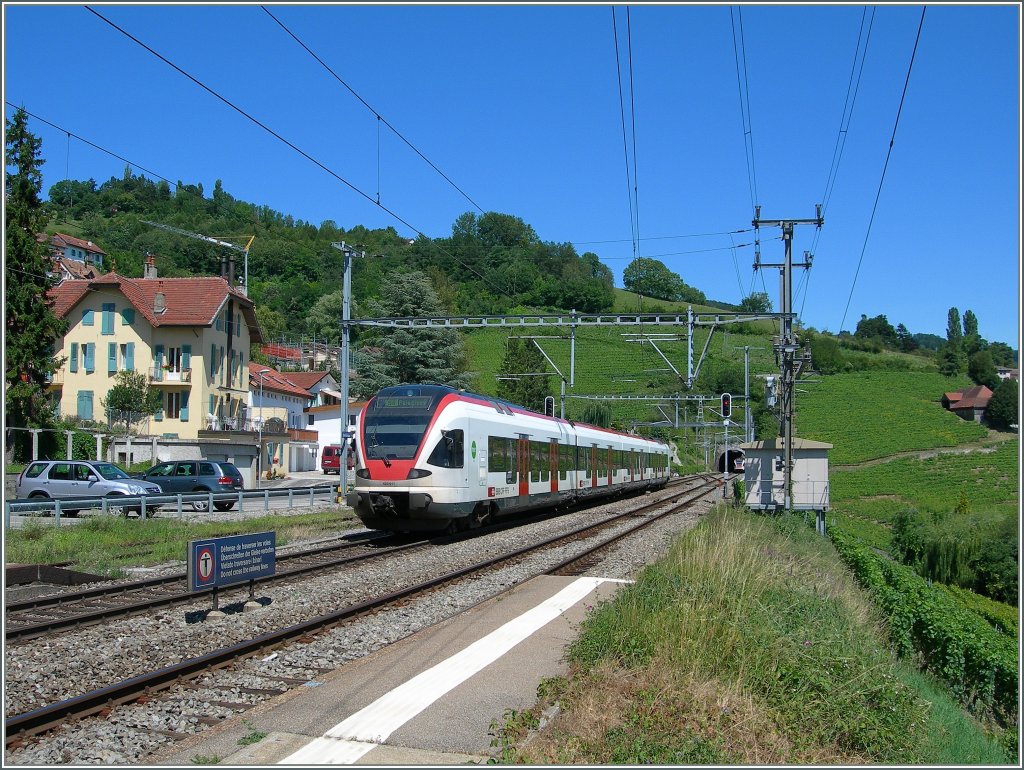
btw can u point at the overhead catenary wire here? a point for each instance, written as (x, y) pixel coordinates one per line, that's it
(742, 84)
(634, 239)
(93, 144)
(888, 154)
(632, 115)
(380, 118)
(280, 138)
(852, 89)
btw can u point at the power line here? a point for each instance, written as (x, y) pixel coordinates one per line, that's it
(380, 119)
(744, 93)
(852, 89)
(280, 138)
(92, 144)
(888, 154)
(663, 237)
(625, 150)
(632, 114)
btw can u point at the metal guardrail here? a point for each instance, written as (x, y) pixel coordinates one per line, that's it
(148, 506)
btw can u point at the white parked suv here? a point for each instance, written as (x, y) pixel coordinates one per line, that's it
(74, 480)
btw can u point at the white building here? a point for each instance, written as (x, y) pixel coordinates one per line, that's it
(764, 475)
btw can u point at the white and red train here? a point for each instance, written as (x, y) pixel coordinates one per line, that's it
(430, 457)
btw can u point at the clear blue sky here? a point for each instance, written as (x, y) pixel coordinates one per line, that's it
(519, 106)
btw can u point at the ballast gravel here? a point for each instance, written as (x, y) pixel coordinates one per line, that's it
(47, 670)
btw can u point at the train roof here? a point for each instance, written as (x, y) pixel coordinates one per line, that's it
(423, 389)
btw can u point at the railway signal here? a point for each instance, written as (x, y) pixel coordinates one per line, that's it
(726, 405)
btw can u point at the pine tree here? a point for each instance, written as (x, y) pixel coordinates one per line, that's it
(523, 358)
(32, 325)
(434, 356)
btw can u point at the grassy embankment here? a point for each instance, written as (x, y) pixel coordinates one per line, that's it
(106, 545)
(749, 643)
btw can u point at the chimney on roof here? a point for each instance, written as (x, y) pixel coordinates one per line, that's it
(149, 269)
(159, 303)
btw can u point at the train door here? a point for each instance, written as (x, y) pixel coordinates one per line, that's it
(524, 465)
(553, 463)
(593, 465)
(611, 465)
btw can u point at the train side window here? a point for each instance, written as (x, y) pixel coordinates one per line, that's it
(449, 451)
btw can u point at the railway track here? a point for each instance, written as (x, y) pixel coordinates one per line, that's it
(156, 685)
(33, 618)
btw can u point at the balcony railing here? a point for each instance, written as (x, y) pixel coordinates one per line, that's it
(170, 376)
(247, 425)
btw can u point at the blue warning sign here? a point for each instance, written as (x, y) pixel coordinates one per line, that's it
(222, 561)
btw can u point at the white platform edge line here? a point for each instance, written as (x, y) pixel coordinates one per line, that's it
(375, 723)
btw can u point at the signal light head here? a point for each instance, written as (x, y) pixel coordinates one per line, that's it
(726, 405)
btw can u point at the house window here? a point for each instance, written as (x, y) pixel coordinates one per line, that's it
(173, 359)
(173, 405)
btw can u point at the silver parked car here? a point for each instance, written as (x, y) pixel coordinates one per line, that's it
(74, 480)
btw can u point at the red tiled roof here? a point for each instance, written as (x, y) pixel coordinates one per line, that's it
(306, 379)
(188, 301)
(972, 398)
(273, 380)
(74, 268)
(70, 240)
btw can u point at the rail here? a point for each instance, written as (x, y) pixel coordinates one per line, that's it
(148, 506)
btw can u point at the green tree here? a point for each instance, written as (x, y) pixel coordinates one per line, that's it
(410, 355)
(1001, 411)
(597, 414)
(131, 400)
(523, 358)
(758, 302)
(32, 326)
(952, 360)
(1002, 354)
(972, 339)
(905, 339)
(324, 319)
(826, 355)
(982, 371)
(877, 328)
(651, 278)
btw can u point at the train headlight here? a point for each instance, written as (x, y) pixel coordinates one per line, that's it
(418, 473)
(363, 473)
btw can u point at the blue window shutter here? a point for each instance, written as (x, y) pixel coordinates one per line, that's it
(184, 406)
(129, 356)
(85, 404)
(238, 324)
(219, 325)
(87, 318)
(221, 364)
(212, 404)
(108, 318)
(213, 361)
(158, 415)
(186, 356)
(90, 357)
(111, 357)
(158, 363)
(73, 358)
(127, 316)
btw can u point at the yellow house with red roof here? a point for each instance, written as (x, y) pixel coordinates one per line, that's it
(189, 336)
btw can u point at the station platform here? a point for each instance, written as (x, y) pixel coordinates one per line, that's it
(429, 699)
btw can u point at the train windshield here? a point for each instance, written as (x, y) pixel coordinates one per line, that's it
(395, 421)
